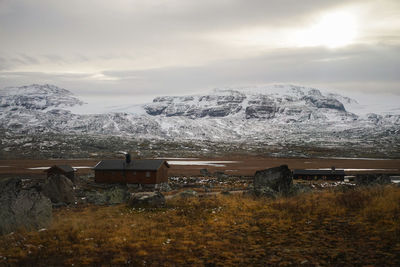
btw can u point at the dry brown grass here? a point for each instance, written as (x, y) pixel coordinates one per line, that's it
(355, 227)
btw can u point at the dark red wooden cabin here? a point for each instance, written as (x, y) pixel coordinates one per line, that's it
(147, 171)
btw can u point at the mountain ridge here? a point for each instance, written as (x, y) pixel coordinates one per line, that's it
(42, 121)
(223, 114)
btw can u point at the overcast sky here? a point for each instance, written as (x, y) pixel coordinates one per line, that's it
(141, 49)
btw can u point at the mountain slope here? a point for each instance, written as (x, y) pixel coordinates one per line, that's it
(36, 97)
(289, 115)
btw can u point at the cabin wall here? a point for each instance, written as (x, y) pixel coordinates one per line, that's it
(162, 174)
(141, 177)
(126, 176)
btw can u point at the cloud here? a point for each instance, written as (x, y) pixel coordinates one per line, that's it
(170, 47)
(358, 68)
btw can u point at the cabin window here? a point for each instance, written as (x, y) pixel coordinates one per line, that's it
(148, 174)
(134, 173)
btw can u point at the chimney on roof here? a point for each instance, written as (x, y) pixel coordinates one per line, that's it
(127, 158)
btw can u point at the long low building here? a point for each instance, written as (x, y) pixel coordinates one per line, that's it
(147, 171)
(331, 174)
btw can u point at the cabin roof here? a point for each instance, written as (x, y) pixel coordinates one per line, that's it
(64, 168)
(139, 165)
(318, 172)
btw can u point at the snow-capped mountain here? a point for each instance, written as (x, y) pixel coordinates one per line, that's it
(36, 97)
(274, 114)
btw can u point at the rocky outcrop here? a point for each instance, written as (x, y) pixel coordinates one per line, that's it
(147, 199)
(227, 97)
(22, 206)
(221, 111)
(197, 107)
(192, 111)
(261, 112)
(329, 103)
(59, 189)
(278, 179)
(295, 106)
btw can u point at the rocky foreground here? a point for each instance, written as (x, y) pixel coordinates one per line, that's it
(29, 203)
(340, 226)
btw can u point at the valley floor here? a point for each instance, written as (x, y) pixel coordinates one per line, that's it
(331, 227)
(233, 165)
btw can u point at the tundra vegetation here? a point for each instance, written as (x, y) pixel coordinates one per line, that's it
(354, 226)
(53, 145)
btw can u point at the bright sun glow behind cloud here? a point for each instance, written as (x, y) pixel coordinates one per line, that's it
(332, 30)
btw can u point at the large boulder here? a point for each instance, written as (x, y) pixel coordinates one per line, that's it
(59, 189)
(147, 199)
(22, 206)
(278, 179)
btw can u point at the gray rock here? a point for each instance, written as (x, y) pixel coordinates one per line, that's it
(278, 179)
(59, 189)
(383, 179)
(188, 193)
(205, 172)
(264, 192)
(147, 199)
(297, 189)
(112, 196)
(371, 179)
(134, 186)
(22, 207)
(221, 175)
(162, 187)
